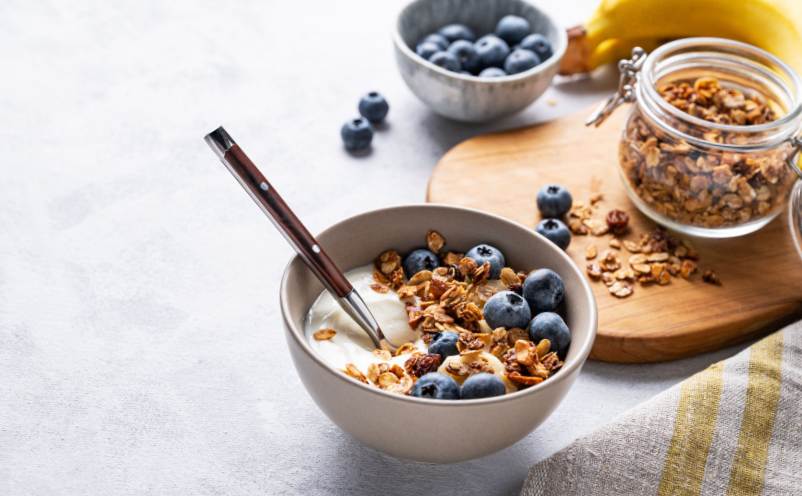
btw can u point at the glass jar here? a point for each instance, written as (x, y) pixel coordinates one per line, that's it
(795, 216)
(710, 145)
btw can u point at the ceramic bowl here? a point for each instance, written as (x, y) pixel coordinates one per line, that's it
(467, 98)
(425, 429)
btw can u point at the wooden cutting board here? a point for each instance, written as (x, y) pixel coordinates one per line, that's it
(761, 272)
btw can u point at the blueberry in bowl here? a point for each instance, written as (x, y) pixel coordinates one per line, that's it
(490, 254)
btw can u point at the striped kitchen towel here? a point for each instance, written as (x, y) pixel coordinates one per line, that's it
(732, 429)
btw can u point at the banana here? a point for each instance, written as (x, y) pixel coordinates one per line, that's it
(457, 367)
(619, 25)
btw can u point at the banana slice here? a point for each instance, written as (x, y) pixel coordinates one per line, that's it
(460, 367)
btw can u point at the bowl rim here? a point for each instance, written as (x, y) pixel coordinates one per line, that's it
(544, 66)
(566, 371)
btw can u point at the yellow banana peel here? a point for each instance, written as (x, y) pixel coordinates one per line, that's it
(619, 25)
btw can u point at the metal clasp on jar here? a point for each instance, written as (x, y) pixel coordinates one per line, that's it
(790, 161)
(628, 69)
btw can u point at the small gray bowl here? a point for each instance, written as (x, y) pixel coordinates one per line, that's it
(469, 98)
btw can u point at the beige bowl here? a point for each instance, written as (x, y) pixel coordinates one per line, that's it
(425, 429)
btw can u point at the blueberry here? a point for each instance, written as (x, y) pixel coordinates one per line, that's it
(427, 49)
(436, 386)
(492, 72)
(486, 253)
(454, 32)
(447, 61)
(482, 385)
(357, 134)
(549, 325)
(444, 344)
(437, 39)
(418, 260)
(553, 200)
(492, 50)
(506, 309)
(512, 29)
(520, 60)
(555, 231)
(466, 53)
(537, 43)
(543, 290)
(373, 107)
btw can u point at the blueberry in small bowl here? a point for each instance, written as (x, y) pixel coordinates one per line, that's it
(447, 61)
(464, 97)
(537, 43)
(466, 53)
(492, 72)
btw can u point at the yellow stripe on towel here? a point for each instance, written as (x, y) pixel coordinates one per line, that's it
(697, 410)
(762, 396)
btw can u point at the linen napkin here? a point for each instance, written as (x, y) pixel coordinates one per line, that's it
(732, 429)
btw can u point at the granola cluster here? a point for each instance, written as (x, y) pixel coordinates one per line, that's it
(651, 258)
(706, 187)
(450, 298)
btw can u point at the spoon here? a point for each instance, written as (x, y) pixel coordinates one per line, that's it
(296, 234)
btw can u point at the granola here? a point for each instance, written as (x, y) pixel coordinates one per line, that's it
(708, 187)
(449, 301)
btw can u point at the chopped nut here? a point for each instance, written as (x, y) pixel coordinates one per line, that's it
(594, 271)
(687, 268)
(631, 246)
(351, 371)
(621, 289)
(543, 347)
(710, 277)
(420, 364)
(379, 288)
(324, 334)
(590, 252)
(388, 262)
(615, 243)
(435, 241)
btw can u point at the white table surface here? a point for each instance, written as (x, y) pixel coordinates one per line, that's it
(141, 349)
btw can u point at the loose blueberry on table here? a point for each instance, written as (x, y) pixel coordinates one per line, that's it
(356, 134)
(555, 231)
(553, 201)
(373, 107)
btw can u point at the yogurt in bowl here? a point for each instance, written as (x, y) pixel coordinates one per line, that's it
(421, 428)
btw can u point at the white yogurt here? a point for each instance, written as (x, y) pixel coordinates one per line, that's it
(351, 344)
